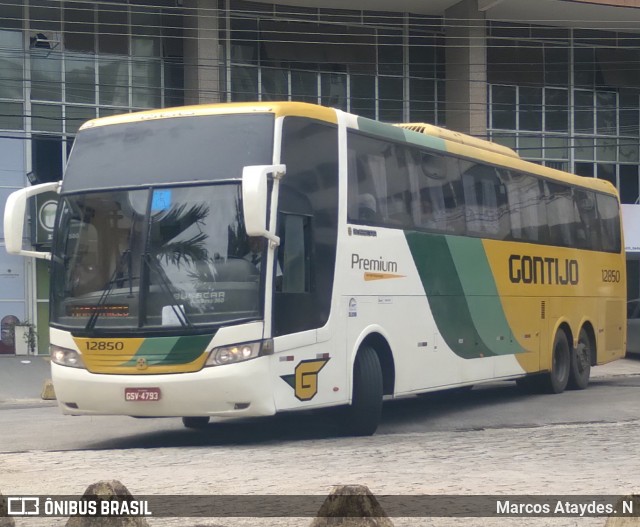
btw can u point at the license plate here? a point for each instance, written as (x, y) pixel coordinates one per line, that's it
(142, 394)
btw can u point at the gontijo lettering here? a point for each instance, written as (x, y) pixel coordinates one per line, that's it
(539, 270)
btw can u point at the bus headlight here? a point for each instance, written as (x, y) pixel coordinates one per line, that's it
(66, 357)
(239, 352)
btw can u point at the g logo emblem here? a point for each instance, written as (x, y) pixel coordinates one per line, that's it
(141, 364)
(304, 381)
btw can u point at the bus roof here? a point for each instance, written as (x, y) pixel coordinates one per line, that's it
(465, 146)
(419, 134)
(457, 137)
(280, 109)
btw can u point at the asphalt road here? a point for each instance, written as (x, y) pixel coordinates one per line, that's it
(492, 440)
(40, 426)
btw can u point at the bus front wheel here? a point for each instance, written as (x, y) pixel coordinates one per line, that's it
(362, 417)
(581, 362)
(196, 423)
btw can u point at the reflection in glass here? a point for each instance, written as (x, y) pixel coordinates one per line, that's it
(244, 83)
(80, 78)
(304, 86)
(11, 64)
(583, 113)
(275, 84)
(146, 84)
(114, 81)
(390, 99)
(556, 110)
(606, 115)
(530, 108)
(46, 76)
(334, 90)
(157, 259)
(503, 107)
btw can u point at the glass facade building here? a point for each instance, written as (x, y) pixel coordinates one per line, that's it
(567, 98)
(561, 95)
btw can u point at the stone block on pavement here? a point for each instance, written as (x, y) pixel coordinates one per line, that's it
(107, 491)
(351, 506)
(629, 519)
(5, 521)
(48, 393)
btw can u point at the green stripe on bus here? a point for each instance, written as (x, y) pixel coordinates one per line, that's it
(395, 133)
(481, 293)
(166, 351)
(188, 349)
(462, 294)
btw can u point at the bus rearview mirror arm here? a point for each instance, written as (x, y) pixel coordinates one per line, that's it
(14, 216)
(254, 199)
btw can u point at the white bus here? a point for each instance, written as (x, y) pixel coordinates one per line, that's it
(241, 260)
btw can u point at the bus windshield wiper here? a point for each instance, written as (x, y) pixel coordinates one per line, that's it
(106, 292)
(177, 309)
(114, 279)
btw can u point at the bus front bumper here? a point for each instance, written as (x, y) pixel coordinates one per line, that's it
(234, 390)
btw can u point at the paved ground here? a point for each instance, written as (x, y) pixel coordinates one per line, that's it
(22, 377)
(575, 459)
(583, 458)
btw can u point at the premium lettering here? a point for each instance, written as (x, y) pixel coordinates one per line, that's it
(538, 270)
(366, 264)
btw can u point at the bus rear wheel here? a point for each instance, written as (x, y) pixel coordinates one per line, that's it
(362, 417)
(556, 380)
(195, 423)
(581, 362)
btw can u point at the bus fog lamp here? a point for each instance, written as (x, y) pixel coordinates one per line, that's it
(66, 357)
(237, 353)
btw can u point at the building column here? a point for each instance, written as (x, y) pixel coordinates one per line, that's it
(202, 52)
(466, 69)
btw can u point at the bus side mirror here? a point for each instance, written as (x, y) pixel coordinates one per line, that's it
(254, 198)
(14, 215)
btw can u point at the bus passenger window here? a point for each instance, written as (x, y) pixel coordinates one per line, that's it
(295, 254)
(587, 232)
(527, 209)
(486, 202)
(609, 215)
(561, 214)
(441, 205)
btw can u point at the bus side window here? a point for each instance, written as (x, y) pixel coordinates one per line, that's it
(293, 255)
(399, 188)
(527, 209)
(439, 193)
(486, 202)
(561, 214)
(588, 235)
(609, 215)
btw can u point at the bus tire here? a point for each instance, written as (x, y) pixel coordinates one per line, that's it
(557, 379)
(362, 417)
(581, 362)
(195, 423)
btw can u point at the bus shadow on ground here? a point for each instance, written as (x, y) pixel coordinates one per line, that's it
(320, 424)
(449, 410)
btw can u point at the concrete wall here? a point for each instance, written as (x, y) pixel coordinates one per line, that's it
(466, 69)
(202, 52)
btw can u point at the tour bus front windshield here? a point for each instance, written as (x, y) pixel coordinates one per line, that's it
(150, 234)
(157, 259)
